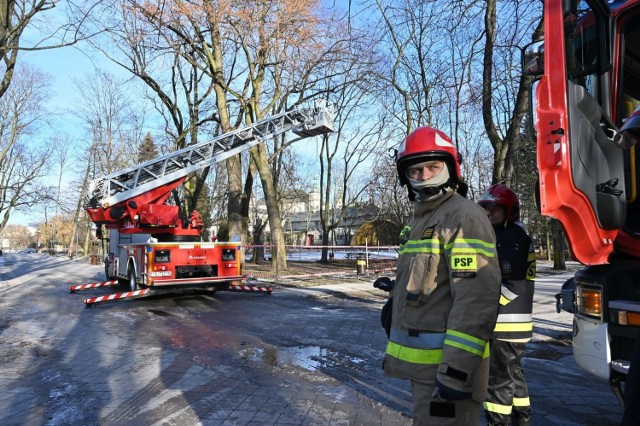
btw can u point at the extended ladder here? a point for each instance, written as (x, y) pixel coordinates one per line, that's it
(128, 183)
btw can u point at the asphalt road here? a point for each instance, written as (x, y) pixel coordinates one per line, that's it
(297, 356)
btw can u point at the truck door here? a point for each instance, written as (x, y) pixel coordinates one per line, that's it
(582, 173)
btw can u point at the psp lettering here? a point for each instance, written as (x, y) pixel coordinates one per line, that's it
(464, 262)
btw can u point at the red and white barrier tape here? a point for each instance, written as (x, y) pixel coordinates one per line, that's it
(319, 274)
(73, 288)
(110, 297)
(235, 287)
(302, 247)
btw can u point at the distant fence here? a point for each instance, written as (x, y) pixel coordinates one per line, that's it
(335, 252)
(314, 247)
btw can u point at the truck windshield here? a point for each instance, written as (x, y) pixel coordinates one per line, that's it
(628, 100)
(630, 69)
(584, 37)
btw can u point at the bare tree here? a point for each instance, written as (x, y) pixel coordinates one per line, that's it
(250, 56)
(46, 32)
(18, 237)
(111, 122)
(505, 90)
(385, 189)
(21, 163)
(113, 128)
(429, 73)
(61, 156)
(344, 179)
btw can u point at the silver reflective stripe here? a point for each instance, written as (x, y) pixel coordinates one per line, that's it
(423, 340)
(515, 318)
(507, 293)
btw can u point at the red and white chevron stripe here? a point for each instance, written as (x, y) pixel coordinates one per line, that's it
(117, 296)
(74, 288)
(234, 287)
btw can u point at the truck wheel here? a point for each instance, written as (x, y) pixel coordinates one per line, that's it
(106, 268)
(131, 275)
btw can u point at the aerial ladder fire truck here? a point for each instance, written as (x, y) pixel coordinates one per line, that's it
(150, 246)
(587, 126)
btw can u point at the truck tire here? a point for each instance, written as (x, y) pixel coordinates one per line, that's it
(131, 275)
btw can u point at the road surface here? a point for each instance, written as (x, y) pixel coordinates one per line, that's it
(302, 355)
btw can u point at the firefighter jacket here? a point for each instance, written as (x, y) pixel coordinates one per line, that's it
(445, 300)
(518, 266)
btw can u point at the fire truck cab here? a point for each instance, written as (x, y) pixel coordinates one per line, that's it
(587, 91)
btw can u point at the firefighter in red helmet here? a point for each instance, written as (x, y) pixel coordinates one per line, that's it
(445, 298)
(508, 400)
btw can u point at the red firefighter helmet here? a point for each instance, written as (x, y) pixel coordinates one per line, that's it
(502, 195)
(427, 144)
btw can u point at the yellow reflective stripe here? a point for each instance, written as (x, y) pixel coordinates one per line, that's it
(514, 326)
(521, 402)
(497, 408)
(414, 356)
(422, 246)
(504, 300)
(531, 257)
(464, 245)
(465, 342)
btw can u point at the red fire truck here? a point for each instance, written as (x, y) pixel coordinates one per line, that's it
(585, 97)
(150, 245)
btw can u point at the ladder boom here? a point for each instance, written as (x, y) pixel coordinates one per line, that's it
(126, 184)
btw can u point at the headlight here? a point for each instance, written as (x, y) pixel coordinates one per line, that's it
(589, 301)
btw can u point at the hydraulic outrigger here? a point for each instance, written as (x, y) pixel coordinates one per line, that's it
(91, 301)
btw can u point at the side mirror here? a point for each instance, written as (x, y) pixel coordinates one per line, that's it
(629, 133)
(533, 58)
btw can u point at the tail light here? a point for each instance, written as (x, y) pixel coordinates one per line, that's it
(162, 256)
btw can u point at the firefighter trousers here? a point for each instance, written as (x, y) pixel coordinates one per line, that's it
(430, 412)
(508, 399)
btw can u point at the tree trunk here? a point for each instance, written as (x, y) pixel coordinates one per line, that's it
(278, 251)
(237, 223)
(558, 246)
(258, 242)
(87, 240)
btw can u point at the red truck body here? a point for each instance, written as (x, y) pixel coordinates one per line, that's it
(589, 87)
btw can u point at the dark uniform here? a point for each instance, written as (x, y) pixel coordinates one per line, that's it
(508, 398)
